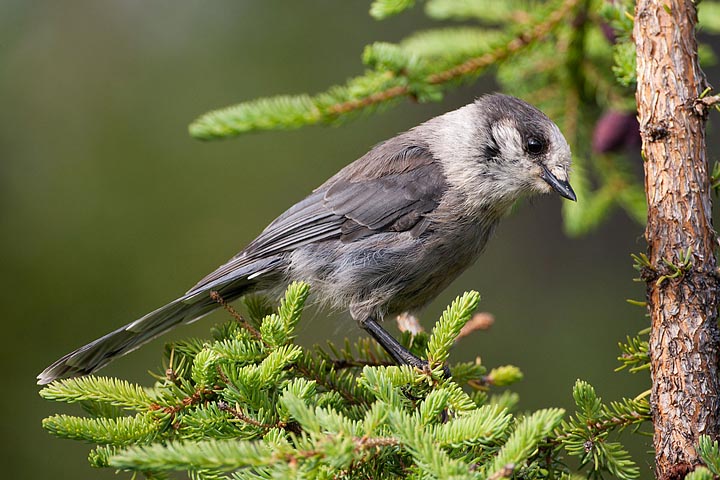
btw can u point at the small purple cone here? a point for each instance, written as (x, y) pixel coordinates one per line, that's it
(609, 33)
(616, 131)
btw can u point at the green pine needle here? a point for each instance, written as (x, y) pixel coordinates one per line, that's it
(487, 425)
(209, 454)
(489, 11)
(267, 408)
(425, 455)
(504, 376)
(278, 113)
(524, 440)
(709, 16)
(120, 431)
(99, 389)
(447, 329)
(382, 9)
(709, 453)
(292, 305)
(700, 473)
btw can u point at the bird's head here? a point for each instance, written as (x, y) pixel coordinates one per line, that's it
(526, 148)
(507, 149)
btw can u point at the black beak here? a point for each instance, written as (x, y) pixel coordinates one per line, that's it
(560, 186)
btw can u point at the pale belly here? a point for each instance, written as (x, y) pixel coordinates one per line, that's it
(387, 274)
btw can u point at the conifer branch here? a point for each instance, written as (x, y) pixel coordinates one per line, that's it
(197, 397)
(382, 9)
(120, 431)
(237, 413)
(368, 443)
(99, 389)
(215, 295)
(524, 439)
(709, 452)
(384, 96)
(447, 330)
(343, 388)
(296, 411)
(525, 38)
(376, 88)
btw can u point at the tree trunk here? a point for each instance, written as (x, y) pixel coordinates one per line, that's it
(682, 278)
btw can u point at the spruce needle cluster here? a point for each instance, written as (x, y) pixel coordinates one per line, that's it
(251, 404)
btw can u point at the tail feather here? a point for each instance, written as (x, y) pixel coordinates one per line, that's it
(186, 309)
(100, 352)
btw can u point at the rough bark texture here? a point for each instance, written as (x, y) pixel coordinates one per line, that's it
(684, 335)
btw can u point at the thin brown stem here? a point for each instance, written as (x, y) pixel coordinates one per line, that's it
(197, 397)
(238, 414)
(234, 313)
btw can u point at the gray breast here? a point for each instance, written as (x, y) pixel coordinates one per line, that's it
(388, 273)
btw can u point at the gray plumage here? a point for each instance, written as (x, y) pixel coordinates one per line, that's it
(385, 234)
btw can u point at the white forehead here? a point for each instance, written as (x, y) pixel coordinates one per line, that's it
(559, 152)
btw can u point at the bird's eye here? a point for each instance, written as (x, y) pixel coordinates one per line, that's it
(535, 146)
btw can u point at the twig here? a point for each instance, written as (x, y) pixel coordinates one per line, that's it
(473, 65)
(614, 422)
(365, 443)
(704, 102)
(228, 308)
(197, 397)
(504, 472)
(378, 97)
(238, 413)
(469, 67)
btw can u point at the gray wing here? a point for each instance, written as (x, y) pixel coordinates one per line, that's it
(390, 189)
(393, 203)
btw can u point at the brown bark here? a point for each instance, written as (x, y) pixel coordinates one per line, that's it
(684, 335)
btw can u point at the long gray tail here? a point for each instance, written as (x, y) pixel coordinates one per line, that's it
(186, 309)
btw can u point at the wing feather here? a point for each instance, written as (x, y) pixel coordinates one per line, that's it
(390, 189)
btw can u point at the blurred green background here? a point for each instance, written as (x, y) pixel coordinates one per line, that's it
(108, 208)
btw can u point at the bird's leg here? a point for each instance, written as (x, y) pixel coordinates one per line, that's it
(400, 354)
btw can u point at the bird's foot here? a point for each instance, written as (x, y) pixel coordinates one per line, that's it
(400, 354)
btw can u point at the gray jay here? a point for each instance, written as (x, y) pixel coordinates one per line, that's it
(386, 234)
